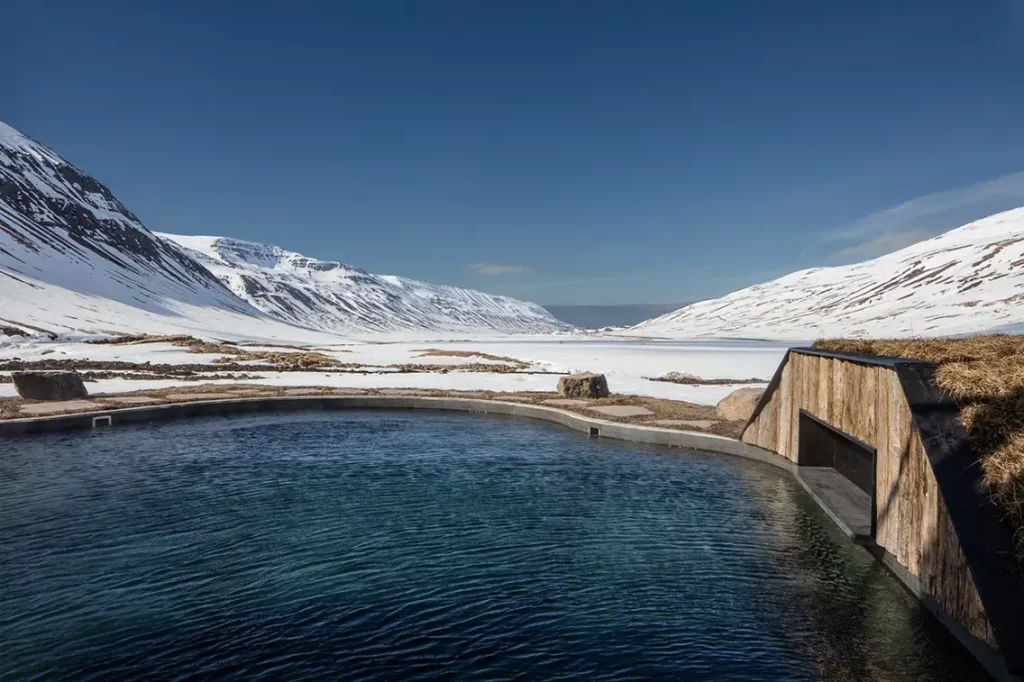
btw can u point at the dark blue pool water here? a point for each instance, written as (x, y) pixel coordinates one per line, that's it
(389, 545)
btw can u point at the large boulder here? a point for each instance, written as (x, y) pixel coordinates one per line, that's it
(739, 405)
(583, 386)
(49, 385)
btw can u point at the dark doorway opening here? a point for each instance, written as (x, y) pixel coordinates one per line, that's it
(826, 447)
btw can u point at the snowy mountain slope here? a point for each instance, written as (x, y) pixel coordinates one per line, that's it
(342, 299)
(74, 261)
(970, 279)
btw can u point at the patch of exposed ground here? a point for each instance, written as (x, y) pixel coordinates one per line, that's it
(438, 353)
(992, 250)
(303, 360)
(134, 339)
(132, 370)
(9, 407)
(299, 360)
(690, 380)
(14, 324)
(235, 358)
(287, 345)
(269, 363)
(92, 377)
(659, 412)
(985, 375)
(487, 367)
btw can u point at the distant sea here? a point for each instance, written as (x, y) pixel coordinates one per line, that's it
(596, 316)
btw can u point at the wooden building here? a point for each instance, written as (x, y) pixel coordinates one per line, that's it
(931, 521)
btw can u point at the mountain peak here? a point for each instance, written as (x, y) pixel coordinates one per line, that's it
(13, 139)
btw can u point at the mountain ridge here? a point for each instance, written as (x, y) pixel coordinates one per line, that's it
(969, 279)
(335, 296)
(74, 261)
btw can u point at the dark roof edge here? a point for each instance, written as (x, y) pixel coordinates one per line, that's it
(877, 360)
(865, 359)
(986, 542)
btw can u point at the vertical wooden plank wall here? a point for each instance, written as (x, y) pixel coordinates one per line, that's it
(912, 523)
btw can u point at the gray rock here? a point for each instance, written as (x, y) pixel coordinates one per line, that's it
(583, 386)
(35, 385)
(739, 405)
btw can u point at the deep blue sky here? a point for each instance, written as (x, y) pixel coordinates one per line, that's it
(566, 152)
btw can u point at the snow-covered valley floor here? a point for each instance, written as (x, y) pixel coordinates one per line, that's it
(628, 364)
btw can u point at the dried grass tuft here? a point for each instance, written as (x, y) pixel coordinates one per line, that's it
(985, 375)
(134, 339)
(304, 361)
(439, 353)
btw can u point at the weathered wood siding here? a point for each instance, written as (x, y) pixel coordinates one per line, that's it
(912, 523)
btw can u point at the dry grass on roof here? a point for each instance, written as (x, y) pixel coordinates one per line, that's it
(985, 375)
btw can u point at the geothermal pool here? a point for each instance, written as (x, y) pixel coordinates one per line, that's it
(377, 545)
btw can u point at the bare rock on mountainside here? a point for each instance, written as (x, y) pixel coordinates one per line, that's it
(739, 405)
(49, 385)
(583, 386)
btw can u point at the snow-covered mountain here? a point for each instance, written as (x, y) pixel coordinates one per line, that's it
(339, 298)
(970, 279)
(74, 261)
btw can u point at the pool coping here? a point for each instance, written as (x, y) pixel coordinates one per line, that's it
(607, 429)
(592, 426)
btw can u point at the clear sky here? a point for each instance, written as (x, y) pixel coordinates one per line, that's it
(564, 152)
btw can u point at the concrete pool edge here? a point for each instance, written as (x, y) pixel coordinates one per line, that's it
(608, 429)
(588, 425)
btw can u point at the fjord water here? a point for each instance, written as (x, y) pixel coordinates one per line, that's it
(390, 545)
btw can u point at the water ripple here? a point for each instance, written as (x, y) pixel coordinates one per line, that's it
(382, 546)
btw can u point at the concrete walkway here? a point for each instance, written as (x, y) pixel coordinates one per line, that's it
(848, 505)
